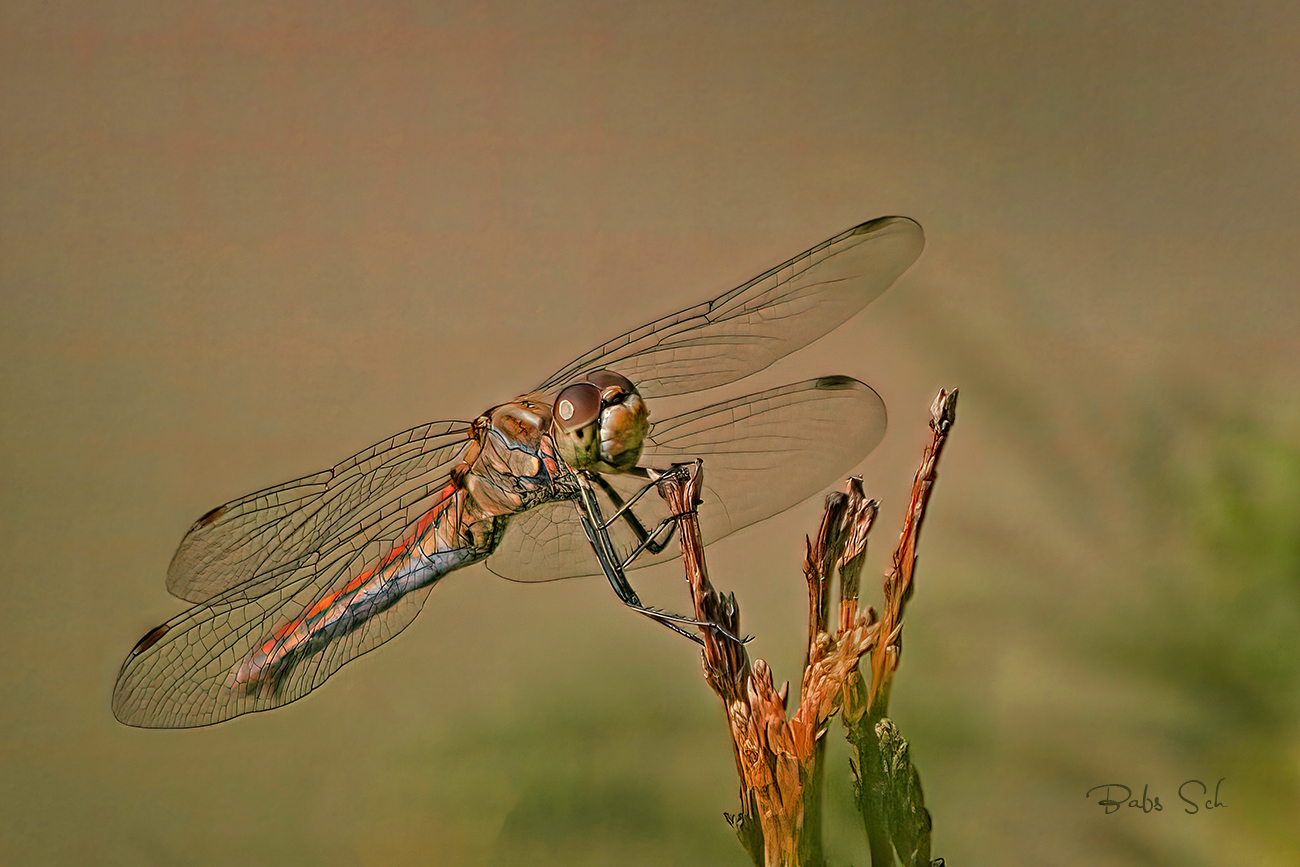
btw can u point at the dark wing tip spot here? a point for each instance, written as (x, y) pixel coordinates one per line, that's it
(881, 222)
(836, 383)
(211, 516)
(150, 639)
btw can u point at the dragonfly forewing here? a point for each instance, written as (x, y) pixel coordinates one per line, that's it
(747, 329)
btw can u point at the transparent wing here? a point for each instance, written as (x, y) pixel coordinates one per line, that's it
(244, 545)
(753, 325)
(181, 674)
(762, 454)
(546, 544)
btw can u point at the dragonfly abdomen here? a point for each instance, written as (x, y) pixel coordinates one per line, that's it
(342, 613)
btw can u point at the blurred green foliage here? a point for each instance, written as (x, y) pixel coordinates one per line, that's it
(1238, 505)
(1220, 617)
(625, 771)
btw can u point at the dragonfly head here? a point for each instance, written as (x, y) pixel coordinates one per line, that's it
(601, 422)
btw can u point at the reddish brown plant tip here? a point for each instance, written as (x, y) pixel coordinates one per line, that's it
(862, 514)
(898, 583)
(820, 559)
(943, 412)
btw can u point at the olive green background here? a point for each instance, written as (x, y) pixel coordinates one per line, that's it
(239, 242)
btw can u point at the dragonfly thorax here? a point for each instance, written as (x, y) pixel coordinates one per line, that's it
(600, 423)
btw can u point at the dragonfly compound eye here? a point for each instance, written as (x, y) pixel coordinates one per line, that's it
(577, 406)
(604, 379)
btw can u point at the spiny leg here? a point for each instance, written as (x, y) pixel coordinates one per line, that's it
(646, 540)
(669, 523)
(597, 534)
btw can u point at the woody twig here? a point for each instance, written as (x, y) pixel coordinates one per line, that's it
(887, 785)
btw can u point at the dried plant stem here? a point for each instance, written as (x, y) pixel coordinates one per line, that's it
(888, 787)
(898, 583)
(779, 758)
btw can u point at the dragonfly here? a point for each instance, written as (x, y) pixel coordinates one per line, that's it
(290, 583)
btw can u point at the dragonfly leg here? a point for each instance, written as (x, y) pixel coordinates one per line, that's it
(598, 536)
(663, 618)
(646, 540)
(622, 508)
(667, 618)
(649, 544)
